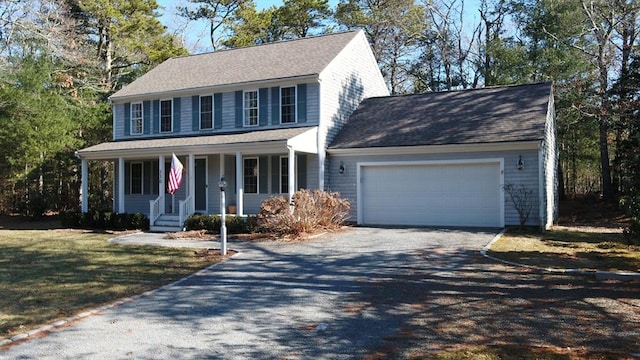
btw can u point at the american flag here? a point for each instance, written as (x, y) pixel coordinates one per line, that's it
(175, 175)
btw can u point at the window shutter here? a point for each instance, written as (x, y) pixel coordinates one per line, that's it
(146, 120)
(195, 113)
(155, 178)
(302, 171)
(176, 114)
(156, 116)
(239, 108)
(127, 119)
(217, 111)
(127, 178)
(146, 177)
(263, 176)
(301, 106)
(275, 106)
(275, 174)
(263, 112)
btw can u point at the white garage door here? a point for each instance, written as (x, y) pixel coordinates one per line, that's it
(431, 194)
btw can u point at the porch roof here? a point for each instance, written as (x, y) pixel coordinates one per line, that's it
(302, 139)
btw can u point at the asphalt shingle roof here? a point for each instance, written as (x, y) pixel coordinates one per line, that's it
(208, 140)
(488, 115)
(279, 60)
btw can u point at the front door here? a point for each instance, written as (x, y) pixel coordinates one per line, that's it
(201, 185)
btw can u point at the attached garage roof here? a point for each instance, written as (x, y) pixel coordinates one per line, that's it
(488, 115)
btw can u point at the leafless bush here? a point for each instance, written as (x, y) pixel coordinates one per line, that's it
(312, 210)
(522, 199)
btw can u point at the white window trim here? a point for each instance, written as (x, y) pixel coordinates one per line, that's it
(257, 159)
(160, 117)
(141, 177)
(281, 173)
(244, 108)
(131, 127)
(200, 112)
(295, 104)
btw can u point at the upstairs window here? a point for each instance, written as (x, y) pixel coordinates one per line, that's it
(251, 108)
(250, 175)
(206, 112)
(288, 105)
(166, 118)
(136, 118)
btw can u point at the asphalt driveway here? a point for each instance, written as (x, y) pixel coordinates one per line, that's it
(348, 295)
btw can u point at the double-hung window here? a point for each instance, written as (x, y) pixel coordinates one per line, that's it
(206, 112)
(136, 178)
(288, 105)
(284, 175)
(136, 118)
(251, 108)
(166, 115)
(250, 175)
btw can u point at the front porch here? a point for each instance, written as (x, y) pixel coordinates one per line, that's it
(253, 170)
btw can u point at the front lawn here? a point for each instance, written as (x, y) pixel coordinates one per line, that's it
(47, 275)
(587, 249)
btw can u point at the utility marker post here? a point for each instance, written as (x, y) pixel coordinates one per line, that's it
(223, 218)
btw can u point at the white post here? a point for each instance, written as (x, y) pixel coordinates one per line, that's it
(239, 184)
(292, 173)
(121, 181)
(221, 170)
(223, 222)
(161, 185)
(191, 175)
(84, 190)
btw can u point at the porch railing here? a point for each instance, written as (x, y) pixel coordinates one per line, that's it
(186, 209)
(154, 210)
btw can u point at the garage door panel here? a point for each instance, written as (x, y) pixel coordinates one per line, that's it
(431, 194)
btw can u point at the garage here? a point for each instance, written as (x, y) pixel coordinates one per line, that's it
(461, 193)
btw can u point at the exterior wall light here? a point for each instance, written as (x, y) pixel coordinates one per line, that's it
(520, 165)
(341, 168)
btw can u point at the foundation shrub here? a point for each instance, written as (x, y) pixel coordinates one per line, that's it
(212, 223)
(312, 211)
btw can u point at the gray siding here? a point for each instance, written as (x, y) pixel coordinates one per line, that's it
(346, 184)
(352, 76)
(311, 103)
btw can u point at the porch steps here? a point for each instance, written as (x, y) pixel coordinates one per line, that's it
(166, 223)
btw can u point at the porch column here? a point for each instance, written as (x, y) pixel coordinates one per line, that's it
(239, 184)
(161, 184)
(84, 190)
(292, 173)
(221, 176)
(191, 175)
(121, 181)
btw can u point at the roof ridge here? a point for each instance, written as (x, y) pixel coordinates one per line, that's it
(284, 41)
(492, 87)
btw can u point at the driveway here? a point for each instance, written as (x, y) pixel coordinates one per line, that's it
(345, 296)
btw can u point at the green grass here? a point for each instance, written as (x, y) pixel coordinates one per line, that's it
(47, 275)
(569, 249)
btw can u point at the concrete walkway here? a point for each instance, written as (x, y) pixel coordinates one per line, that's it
(341, 296)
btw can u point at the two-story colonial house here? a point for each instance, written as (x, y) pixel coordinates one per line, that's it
(261, 117)
(316, 113)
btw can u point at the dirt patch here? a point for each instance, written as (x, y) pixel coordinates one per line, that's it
(213, 255)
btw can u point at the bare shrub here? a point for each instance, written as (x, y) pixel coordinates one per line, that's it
(522, 199)
(312, 211)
